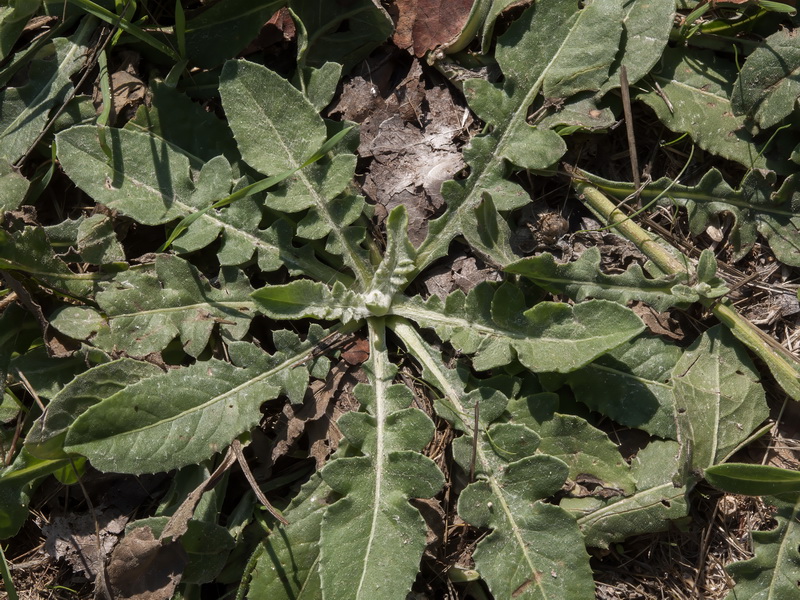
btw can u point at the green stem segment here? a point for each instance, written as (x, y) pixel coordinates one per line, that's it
(783, 365)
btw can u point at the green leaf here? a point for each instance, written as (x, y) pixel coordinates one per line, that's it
(494, 325)
(583, 279)
(17, 482)
(150, 181)
(224, 29)
(26, 108)
(698, 85)
(580, 47)
(46, 438)
(207, 546)
(571, 439)
(632, 385)
(646, 26)
(266, 112)
(656, 502)
(768, 85)
(775, 569)
(752, 480)
(397, 264)
(13, 186)
(185, 415)
(372, 539)
(757, 207)
(535, 549)
(29, 252)
(287, 561)
(302, 298)
(718, 398)
(144, 309)
(13, 19)
(184, 124)
(343, 33)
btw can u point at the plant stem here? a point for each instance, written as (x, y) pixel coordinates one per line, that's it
(783, 365)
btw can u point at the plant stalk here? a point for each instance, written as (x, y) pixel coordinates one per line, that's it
(783, 365)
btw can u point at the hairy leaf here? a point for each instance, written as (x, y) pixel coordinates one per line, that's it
(580, 47)
(344, 33)
(303, 298)
(372, 539)
(266, 112)
(494, 325)
(584, 449)
(650, 509)
(757, 207)
(26, 109)
(775, 569)
(632, 385)
(150, 181)
(583, 279)
(144, 309)
(13, 18)
(12, 186)
(46, 438)
(185, 415)
(699, 86)
(768, 85)
(718, 398)
(223, 29)
(29, 252)
(287, 566)
(646, 26)
(534, 549)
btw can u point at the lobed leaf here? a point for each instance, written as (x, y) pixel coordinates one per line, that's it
(150, 181)
(26, 108)
(494, 325)
(535, 549)
(575, 57)
(302, 298)
(583, 279)
(29, 252)
(718, 398)
(372, 539)
(144, 309)
(266, 111)
(656, 502)
(698, 86)
(632, 385)
(757, 207)
(775, 569)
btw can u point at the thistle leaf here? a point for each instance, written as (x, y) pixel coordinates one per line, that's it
(649, 510)
(531, 68)
(144, 309)
(757, 207)
(266, 111)
(775, 569)
(718, 398)
(185, 415)
(583, 279)
(699, 87)
(494, 325)
(372, 539)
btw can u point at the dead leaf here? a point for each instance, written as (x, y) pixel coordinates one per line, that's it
(412, 139)
(424, 25)
(73, 538)
(144, 568)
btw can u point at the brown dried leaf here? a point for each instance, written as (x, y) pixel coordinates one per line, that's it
(73, 538)
(143, 568)
(427, 24)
